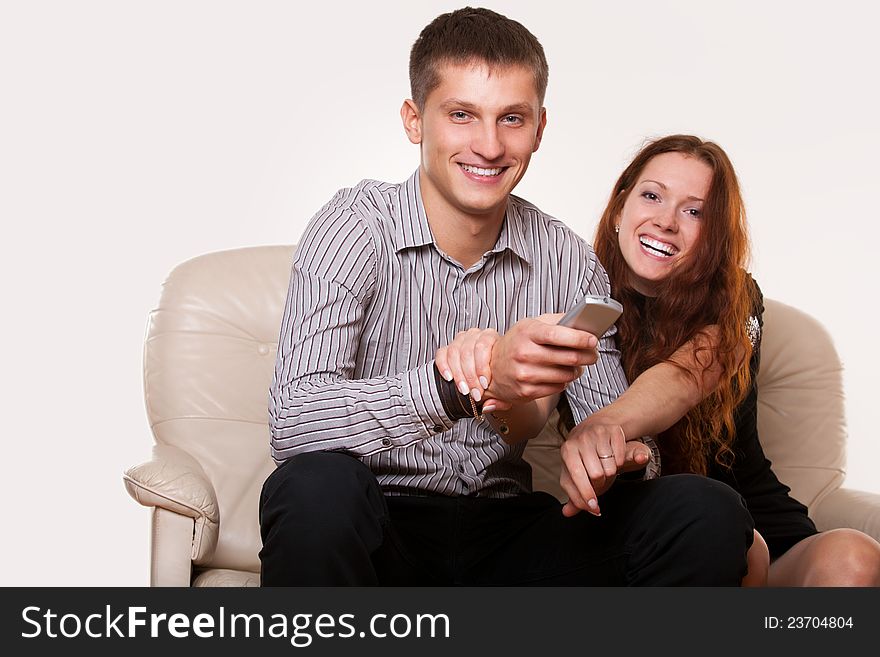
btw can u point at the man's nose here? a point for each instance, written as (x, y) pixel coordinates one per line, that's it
(487, 143)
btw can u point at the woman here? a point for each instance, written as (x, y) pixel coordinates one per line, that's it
(674, 241)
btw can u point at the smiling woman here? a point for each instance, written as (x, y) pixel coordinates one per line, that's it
(661, 219)
(674, 240)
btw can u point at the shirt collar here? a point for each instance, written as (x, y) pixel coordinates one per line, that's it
(413, 229)
(412, 225)
(513, 231)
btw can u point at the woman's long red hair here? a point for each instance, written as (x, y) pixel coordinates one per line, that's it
(709, 287)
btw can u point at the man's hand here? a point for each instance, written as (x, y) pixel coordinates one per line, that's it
(537, 358)
(592, 456)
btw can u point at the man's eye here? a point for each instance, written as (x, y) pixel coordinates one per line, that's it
(512, 119)
(459, 116)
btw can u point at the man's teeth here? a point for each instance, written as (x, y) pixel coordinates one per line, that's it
(660, 247)
(481, 172)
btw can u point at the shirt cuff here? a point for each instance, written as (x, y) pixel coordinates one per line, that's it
(424, 400)
(456, 405)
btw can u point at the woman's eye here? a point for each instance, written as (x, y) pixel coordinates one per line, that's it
(651, 196)
(694, 212)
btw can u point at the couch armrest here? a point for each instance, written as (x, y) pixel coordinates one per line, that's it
(174, 480)
(846, 507)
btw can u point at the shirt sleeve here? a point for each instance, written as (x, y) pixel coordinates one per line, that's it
(315, 404)
(604, 381)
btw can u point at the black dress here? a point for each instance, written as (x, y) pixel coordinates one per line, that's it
(780, 518)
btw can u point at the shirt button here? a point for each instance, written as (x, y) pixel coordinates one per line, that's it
(386, 442)
(438, 428)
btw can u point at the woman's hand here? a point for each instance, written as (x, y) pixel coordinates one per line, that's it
(593, 455)
(466, 360)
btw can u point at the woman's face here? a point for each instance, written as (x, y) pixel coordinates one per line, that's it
(662, 217)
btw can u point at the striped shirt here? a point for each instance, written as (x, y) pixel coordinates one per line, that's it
(372, 298)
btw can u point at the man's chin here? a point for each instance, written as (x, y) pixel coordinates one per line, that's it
(486, 204)
(487, 210)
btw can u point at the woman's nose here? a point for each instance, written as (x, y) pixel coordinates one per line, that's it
(666, 220)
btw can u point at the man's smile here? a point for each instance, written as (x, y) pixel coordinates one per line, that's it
(482, 172)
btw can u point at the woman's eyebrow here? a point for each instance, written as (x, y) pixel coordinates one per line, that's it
(660, 184)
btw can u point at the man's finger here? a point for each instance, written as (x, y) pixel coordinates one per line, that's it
(561, 336)
(550, 318)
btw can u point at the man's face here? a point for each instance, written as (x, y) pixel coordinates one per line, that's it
(477, 133)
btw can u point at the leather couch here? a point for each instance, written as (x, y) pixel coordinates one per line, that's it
(208, 359)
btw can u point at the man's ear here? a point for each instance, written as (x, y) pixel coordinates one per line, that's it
(412, 121)
(540, 134)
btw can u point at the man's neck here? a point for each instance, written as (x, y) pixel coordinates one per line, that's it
(461, 236)
(464, 238)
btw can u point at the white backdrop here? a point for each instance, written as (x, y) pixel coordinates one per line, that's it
(137, 135)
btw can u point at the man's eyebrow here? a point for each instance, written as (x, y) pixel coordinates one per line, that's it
(518, 108)
(660, 184)
(456, 103)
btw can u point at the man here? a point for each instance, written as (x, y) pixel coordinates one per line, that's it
(387, 474)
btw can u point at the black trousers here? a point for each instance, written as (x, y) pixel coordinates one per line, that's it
(325, 522)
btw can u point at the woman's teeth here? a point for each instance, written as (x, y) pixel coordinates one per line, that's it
(661, 248)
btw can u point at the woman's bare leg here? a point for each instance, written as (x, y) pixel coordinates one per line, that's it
(839, 557)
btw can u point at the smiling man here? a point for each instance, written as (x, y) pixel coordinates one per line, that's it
(390, 475)
(477, 129)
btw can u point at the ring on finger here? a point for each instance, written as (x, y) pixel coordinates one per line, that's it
(606, 456)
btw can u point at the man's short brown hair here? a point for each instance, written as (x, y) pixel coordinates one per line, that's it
(473, 35)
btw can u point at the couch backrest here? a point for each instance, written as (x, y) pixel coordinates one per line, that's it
(210, 352)
(801, 411)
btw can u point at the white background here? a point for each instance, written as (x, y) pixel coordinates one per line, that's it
(134, 136)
